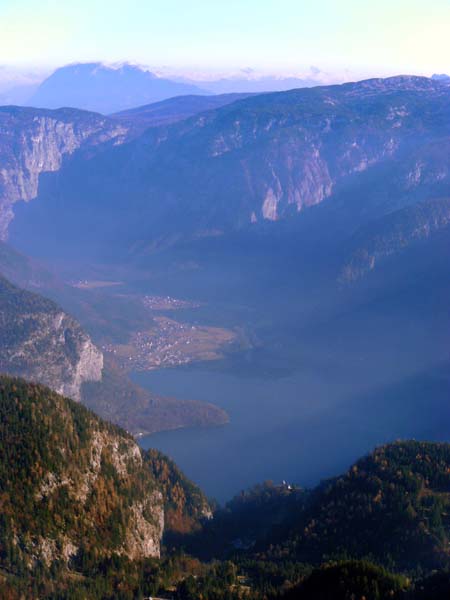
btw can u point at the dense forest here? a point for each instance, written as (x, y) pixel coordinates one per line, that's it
(392, 506)
(80, 501)
(185, 506)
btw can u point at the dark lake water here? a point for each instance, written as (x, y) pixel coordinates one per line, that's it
(298, 424)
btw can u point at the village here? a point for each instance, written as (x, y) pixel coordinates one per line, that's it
(171, 343)
(167, 303)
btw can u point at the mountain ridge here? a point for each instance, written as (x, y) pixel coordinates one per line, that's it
(104, 89)
(36, 141)
(174, 109)
(263, 158)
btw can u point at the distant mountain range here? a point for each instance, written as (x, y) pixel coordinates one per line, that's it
(107, 89)
(256, 85)
(101, 88)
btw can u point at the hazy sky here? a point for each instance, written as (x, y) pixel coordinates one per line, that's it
(373, 36)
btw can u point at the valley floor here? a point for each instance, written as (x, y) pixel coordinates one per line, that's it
(171, 343)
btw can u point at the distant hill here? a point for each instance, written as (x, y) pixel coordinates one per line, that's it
(100, 88)
(174, 109)
(18, 95)
(441, 77)
(257, 85)
(393, 234)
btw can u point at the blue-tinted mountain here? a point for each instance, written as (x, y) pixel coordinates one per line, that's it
(263, 202)
(174, 109)
(259, 85)
(393, 234)
(18, 94)
(99, 88)
(441, 77)
(360, 149)
(35, 141)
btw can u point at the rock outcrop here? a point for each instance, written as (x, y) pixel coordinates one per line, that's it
(72, 485)
(393, 234)
(35, 141)
(185, 505)
(42, 343)
(265, 158)
(75, 486)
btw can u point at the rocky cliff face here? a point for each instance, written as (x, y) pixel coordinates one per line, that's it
(34, 141)
(293, 150)
(264, 158)
(72, 485)
(44, 344)
(393, 234)
(185, 505)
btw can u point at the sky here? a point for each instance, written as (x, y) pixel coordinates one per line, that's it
(373, 37)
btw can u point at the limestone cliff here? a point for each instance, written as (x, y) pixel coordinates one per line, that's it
(364, 148)
(393, 234)
(35, 141)
(185, 505)
(42, 343)
(72, 485)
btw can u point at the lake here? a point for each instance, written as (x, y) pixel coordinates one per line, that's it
(297, 424)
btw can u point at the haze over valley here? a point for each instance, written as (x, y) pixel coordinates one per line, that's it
(220, 288)
(296, 237)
